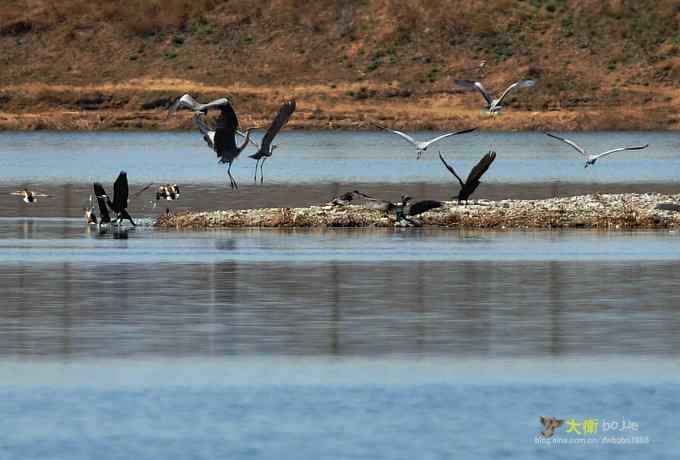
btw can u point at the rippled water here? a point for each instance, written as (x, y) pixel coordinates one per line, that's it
(339, 344)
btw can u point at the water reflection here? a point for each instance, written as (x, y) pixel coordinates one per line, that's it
(469, 308)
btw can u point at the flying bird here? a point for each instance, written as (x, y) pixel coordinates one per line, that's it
(422, 146)
(468, 187)
(119, 203)
(221, 138)
(591, 159)
(266, 148)
(167, 192)
(29, 196)
(494, 105)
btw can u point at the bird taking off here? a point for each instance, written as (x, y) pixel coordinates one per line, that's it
(266, 148)
(493, 105)
(221, 138)
(119, 203)
(468, 187)
(591, 159)
(29, 196)
(420, 145)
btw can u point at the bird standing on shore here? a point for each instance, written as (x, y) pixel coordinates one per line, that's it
(591, 159)
(266, 148)
(421, 146)
(493, 105)
(468, 187)
(29, 196)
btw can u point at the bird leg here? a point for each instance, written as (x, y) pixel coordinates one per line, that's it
(234, 185)
(261, 171)
(420, 152)
(256, 163)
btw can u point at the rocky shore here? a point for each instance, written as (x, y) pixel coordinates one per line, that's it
(597, 211)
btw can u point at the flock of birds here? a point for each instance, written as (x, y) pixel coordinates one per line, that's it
(222, 139)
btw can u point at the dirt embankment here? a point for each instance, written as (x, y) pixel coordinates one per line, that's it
(76, 64)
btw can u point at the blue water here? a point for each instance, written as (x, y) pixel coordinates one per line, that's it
(350, 157)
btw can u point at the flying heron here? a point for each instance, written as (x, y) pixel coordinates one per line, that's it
(266, 148)
(119, 204)
(222, 138)
(29, 196)
(468, 187)
(493, 105)
(591, 159)
(422, 146)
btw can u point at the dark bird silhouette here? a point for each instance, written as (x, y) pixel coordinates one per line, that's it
(406, 209)
(119, 203)
(468, 187)
(342, 200)
(221, 138)
(266, 148)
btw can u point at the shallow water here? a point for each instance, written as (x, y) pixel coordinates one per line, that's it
(339, 344)
(327, 157)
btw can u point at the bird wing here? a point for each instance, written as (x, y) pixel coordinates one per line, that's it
(518, 84)
(475, 85)
(279, 122)
(140, 191)
(609, 152)
(423, 206)
(481, 167)
(101, 196)
(250, 140)
(185, 101)
(451, 170)
(216, 104)
(444, 136)
(567, 141)
(121, 191)
(208, 134)
(398, 133)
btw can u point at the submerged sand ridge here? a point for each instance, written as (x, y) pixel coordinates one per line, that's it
(604, 211)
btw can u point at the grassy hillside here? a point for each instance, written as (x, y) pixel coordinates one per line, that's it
(117, 63)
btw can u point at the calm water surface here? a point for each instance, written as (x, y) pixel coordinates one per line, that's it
(390, 344)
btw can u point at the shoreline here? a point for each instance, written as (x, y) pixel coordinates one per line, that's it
(598, 211)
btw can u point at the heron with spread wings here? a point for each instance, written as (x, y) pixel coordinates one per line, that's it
(421, 146)
(221, 138)
(266, 147)
(494, 105)
(468, 187)
(121, 198)
(591, 159)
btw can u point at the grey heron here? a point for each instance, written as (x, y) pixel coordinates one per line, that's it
(468, 187)
(221, 138)
(422, 146)
(266, 148)
(494, 105)
(29, 196)
(591, 159)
